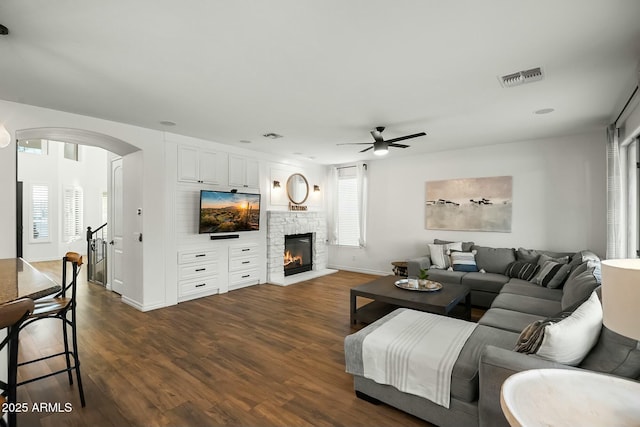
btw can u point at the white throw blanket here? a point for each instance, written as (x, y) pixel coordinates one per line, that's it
(415, 352)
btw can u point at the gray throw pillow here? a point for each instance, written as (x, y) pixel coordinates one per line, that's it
(583, 256)
(551, 274)
(528, 255)
(579, 286)
(494, 260)
(466, 246)
(560, 260)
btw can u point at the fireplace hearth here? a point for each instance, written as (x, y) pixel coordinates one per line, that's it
(298, 253)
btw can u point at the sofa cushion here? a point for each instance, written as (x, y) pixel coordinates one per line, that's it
(561, 259)
(440, 254)
(582, 256)
(494, 260)
(526, 304)
(464, 377)
(566, 338)
(463, 261)
(551, 274)
(522, 287)
(445, 276)
(579, 285)
(521, 270)
(466, 246)
(614, 354)
(489, 282)
(507, 320)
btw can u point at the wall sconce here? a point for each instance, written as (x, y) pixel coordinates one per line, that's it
(276, 184)
(5, 137)
(316, 188)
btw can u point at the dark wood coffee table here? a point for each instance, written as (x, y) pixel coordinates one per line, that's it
(388, 297)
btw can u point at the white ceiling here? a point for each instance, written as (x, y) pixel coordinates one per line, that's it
(326, 72)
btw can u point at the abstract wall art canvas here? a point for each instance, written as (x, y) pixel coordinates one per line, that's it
(473, 204)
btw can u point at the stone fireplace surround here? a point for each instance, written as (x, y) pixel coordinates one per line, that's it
(281, 223)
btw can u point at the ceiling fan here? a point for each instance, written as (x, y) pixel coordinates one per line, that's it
(380, 146)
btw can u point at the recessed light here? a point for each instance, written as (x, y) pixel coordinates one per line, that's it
(245, 141)
(167, 123)
(545, 111)
(272, 135)
(297, 153)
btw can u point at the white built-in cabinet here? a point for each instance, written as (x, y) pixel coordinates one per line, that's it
(197, 165)
(243, 172)
(243, 265)
(198, 273)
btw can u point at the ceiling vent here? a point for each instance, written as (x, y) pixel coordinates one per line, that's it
(522, 77)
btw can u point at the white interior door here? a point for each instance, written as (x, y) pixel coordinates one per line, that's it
(115, 245)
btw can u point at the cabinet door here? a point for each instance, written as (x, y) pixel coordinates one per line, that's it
(236, 171)
(208, 167)
(188, 164)
(252, 173)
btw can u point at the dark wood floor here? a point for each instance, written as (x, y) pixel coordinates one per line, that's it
(259, 356)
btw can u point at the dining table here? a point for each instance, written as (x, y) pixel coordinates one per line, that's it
(19, 279)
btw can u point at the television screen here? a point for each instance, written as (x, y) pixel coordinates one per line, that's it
(223, 212)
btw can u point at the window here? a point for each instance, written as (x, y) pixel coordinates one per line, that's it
(71, 151)
(39, 213)
(72, 215)
(33, 146)
(348, 218)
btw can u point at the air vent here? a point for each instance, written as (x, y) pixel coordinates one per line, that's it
(522, 77)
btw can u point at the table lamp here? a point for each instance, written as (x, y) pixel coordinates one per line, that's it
(621, 296)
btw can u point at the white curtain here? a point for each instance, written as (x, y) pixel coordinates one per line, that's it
(615, 208)
(363, 191)
(332, 217)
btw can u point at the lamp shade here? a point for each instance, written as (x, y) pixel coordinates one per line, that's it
(5, 137)
(621, 296)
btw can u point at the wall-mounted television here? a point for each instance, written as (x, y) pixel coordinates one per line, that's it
(225, 212)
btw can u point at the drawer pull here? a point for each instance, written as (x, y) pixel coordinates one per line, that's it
(201, 285)
(246, 249)
(200, 255)
(246, 275)
(246, 262)
(200, 269)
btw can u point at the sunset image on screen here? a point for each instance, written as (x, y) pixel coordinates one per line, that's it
(227, 212)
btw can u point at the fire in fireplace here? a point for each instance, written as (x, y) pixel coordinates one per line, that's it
(298, 256)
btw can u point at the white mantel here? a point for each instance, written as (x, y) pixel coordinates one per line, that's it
(281, 223)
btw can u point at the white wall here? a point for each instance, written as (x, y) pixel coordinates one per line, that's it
(559, 199)
(147, 173)
(89, 173)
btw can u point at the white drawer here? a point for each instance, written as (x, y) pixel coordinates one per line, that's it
(191, 271)
(236, 264)
(207, 284)
(185, 257)
(243, 250)
(244, 277)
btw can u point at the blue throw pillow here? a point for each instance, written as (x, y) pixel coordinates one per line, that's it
(463, 261)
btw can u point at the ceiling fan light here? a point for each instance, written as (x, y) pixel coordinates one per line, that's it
(380, 151)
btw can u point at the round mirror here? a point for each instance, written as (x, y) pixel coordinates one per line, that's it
(297, 188)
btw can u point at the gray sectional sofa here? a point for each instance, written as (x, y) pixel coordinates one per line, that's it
(493, 262)
(488, 356)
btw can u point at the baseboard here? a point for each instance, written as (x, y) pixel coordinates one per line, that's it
(361, 270)
(141, 307)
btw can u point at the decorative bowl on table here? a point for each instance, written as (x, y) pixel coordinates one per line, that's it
(414, 285)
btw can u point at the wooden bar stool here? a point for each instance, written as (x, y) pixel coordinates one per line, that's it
(60, 306)
(12, 314)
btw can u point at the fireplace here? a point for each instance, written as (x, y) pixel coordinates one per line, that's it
(298, 253)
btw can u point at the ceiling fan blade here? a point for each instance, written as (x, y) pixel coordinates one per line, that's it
(402, 138)
(398, 145)
(366, 149)
(355, 143)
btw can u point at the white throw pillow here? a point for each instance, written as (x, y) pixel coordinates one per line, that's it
(439, 254)
(571, 339)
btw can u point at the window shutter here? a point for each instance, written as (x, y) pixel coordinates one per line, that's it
(40, 212)
(348, 217)
(72, 213)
